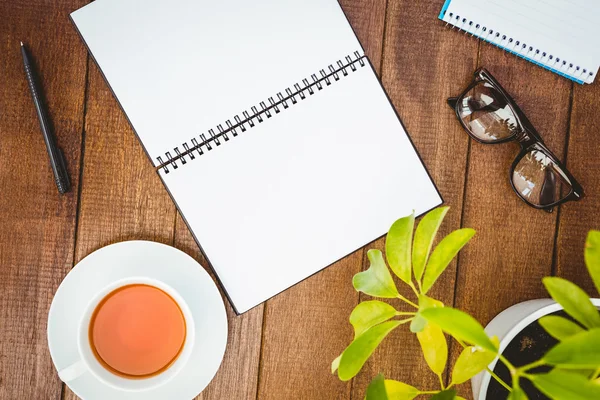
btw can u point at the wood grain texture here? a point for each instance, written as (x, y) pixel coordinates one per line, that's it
(514, 241)
(283, 349)
(423, 64)
(504, 263)
(306, 327)
(36, 223)
(122, 197)
(237, 377)
(583, 160)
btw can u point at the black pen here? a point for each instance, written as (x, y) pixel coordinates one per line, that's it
(57, 160)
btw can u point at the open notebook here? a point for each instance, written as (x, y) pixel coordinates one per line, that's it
(559, 35)
(268, 127)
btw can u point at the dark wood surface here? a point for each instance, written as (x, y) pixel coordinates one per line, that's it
(282, 349)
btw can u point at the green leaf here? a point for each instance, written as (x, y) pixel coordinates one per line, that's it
(335, 364)
(370, 313)
(380, 389)
(574, 300)
(448, 394)
(424, 237)
(397, 247)
(586, 372)
(471, 361)
(376, 389)
(361, 348)
(425, 302)
(377, 280)
(460, 325)
(592, 257)
(444, 252)
(418, 323)
(517, 394)
(459, 398)
(400, 391)
(558, 327)
(578, 351)
(565, 385)
(434, 346)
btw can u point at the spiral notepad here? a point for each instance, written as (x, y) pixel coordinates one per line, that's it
(561, 36)
(267, 125)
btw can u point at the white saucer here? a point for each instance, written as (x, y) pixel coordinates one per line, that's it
(157, 261)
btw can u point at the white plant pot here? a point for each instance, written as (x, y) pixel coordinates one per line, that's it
(508, 324)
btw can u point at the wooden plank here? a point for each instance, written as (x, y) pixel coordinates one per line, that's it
(367, 18)
(576, 219)
(504, 263)
(306, 327)
(36, 239)
(514, 242)
(237, 377)
(423, 64)
(122, 197)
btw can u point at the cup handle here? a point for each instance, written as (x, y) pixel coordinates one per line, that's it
(72, 372)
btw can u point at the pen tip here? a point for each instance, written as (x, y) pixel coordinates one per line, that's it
(22, 44)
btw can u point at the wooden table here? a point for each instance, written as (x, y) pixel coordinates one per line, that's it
(282, 349)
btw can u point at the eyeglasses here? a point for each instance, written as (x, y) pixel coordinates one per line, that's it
(491, 116)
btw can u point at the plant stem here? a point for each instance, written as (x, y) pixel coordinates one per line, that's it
(514, 373)
(414, 289)
(508, 364)
(497, 378)
(532, 365)
(404, 299)
(515, 380)
(399, 313)
(441, 381)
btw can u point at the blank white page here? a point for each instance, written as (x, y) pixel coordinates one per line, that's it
(560, 34)
(180, 67)
(303, 189)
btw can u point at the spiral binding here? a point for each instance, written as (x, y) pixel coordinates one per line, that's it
(517, 47)
(248, 119)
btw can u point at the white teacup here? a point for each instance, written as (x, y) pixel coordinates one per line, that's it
(88, 362)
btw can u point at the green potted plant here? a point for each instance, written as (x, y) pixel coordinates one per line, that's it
(569, 370)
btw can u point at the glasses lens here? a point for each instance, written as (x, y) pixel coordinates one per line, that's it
(540, 180)
(485, 112)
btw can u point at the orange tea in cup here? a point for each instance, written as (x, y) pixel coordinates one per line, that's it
(137, 331)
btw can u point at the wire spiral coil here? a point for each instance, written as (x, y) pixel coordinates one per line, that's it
(257, 114)
(518, 47)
